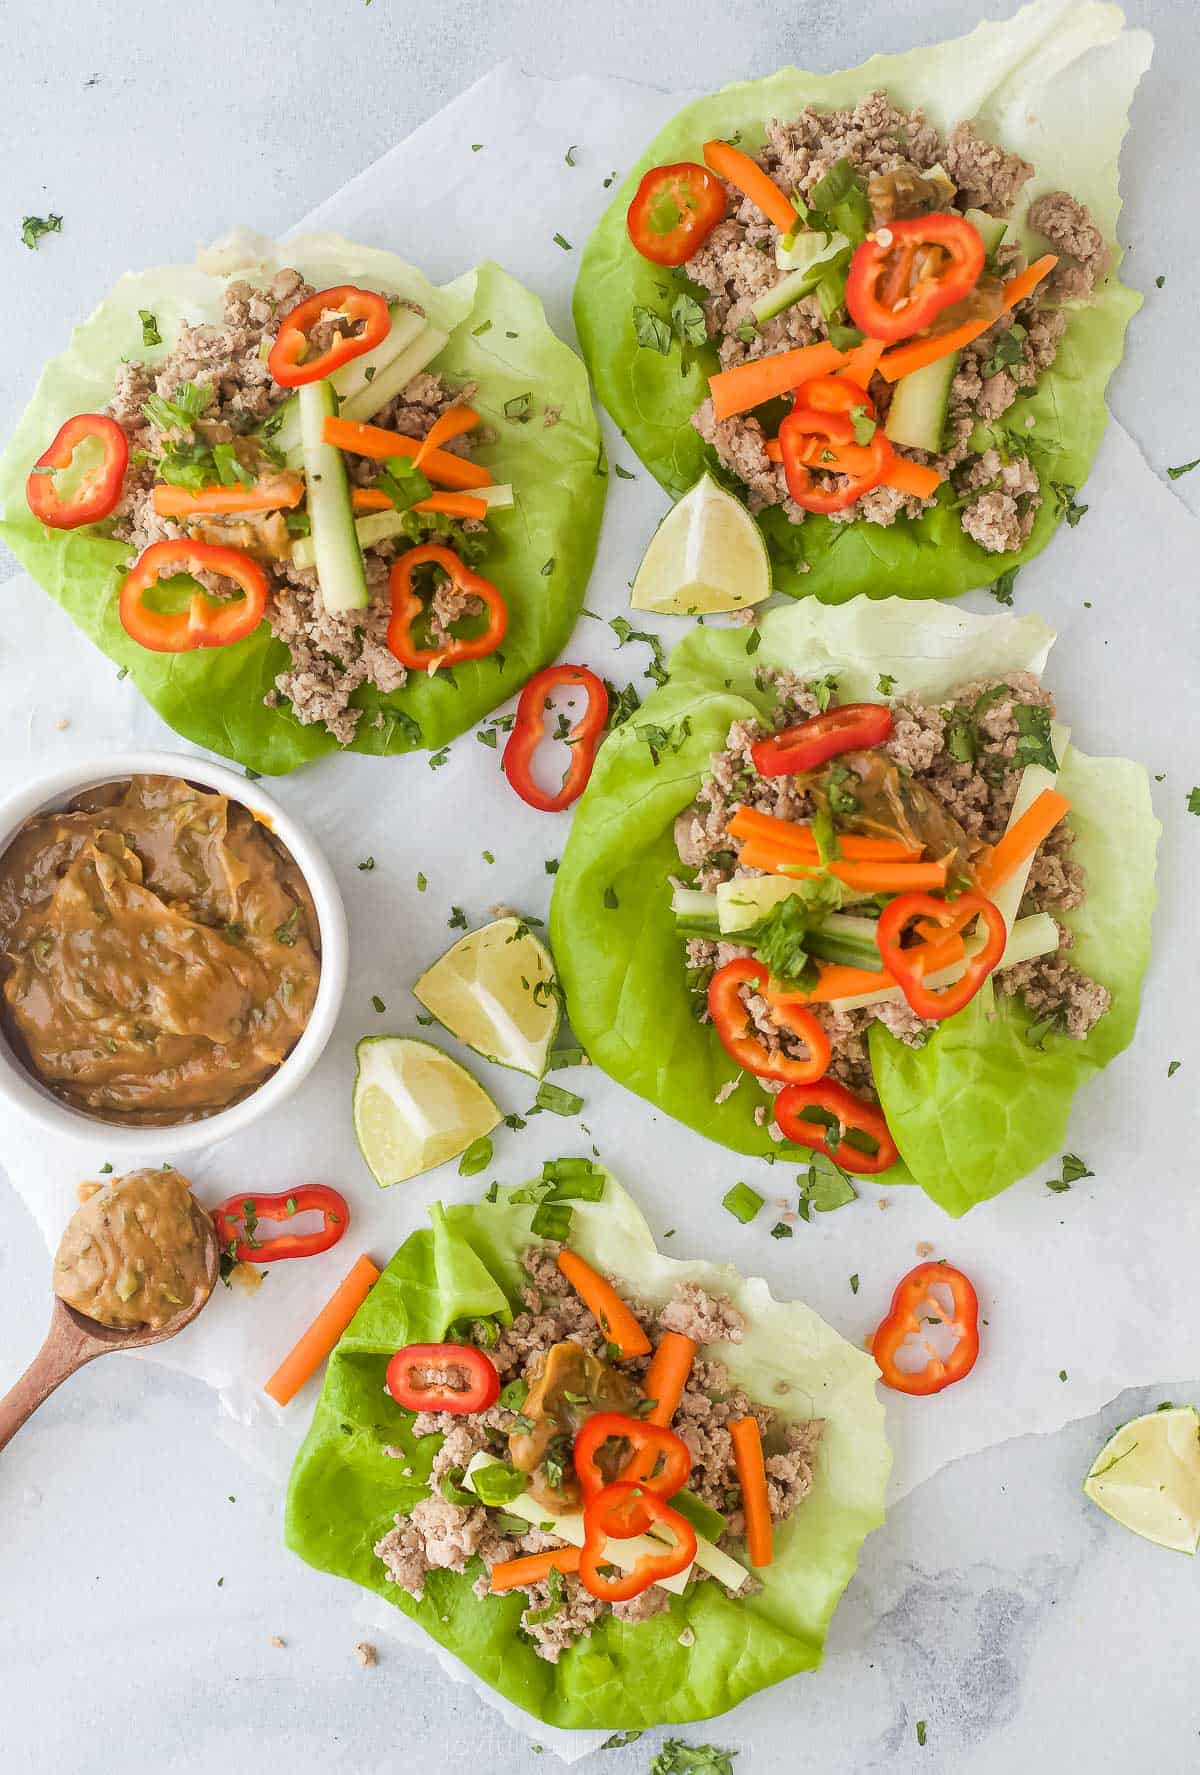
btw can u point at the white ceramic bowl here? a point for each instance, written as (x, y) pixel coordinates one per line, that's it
(20, 1090)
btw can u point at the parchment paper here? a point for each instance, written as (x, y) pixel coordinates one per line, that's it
(1083, 1293)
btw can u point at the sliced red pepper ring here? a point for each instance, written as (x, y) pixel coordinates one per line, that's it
(674, 210)
(810, 439)
(649, 1445)
(913, 1303)
(731, 1020)
(207, 622)
(443, 1377)
(99, 488)
(293, 361)
(852, 1115)
(618, 1513)
(237, 1221)
(530, 725)
(851, 727)
(904, 274)
(908, 967)
(407, 606)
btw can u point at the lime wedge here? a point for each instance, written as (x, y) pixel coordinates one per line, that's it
(414, 1107)
(707, 554)
(1147, 1477)
(495, 991)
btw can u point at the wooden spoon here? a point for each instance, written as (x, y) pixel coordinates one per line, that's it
(74, 1340)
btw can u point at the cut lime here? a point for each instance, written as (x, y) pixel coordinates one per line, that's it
(707, 554)
(414, 1107)
(495, 991)
(1147, 1477)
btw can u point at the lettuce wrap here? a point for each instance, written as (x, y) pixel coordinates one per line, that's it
(1054, 84)
(978, 1106)
(345, 1491)
(539, 553)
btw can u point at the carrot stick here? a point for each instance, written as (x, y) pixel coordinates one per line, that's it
(1022, 838)
(749, 385)
(667, 1374)
(517, 1574)
(750, 823)
(370, 499)
(752, 1477)
(916, 353)
(870, 876)
(268, 495)
(861, 364)
(452, 424)
(912, 477)
(836, 981)
(453, 505)
(374, 441)
(303, 1361)
(1025, 282)
(606, 1306)
(730, 163)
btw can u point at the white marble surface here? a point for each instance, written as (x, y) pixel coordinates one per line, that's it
(995, 1604)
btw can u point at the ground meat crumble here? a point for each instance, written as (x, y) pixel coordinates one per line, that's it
(332, 654)
(437, 1535)
(735, 265)
(977, 792)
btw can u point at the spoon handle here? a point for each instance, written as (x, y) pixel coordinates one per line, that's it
(59, 1356)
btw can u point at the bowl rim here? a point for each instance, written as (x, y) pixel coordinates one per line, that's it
(20, 1089)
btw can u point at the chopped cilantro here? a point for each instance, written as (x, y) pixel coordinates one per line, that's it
(34, 227)
(422, 883)
(556, 1100)
(378, 1003)
(1073, 1171)
(781, 1230)
(1002, 589)
(559, 241)
(367, 864)
(1193, 801)
(610, 900)
(1173, 1068)
(921, 1732)
(1184, 468)
(519, 410)
(623, 474)
(477, 1157)
(854, 1283)
(150, 332)
(457, 919)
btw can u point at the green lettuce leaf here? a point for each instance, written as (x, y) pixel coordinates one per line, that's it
(345, 1491)
(1051, 83)
(499, 337)
(977, 1107)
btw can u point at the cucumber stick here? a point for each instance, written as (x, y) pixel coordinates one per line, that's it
(394, 377)
(990, 229)
(336, 554)
(917, 415)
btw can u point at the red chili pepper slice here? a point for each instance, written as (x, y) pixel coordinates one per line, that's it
(289, 362)
(206, 622)
(908, 966)
(915, 1301)
(904, 274)
(407, 606)
(618, 1513)
(529, 727)
(674, 210)
(731, 1020)
(851, 1113)
(648, 1442)
(249, 1210)
(833, 394)
(98, 490)
(443, 1377)
(810, 439)
(852, 727)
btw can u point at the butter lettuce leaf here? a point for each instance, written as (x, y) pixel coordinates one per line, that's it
(345, 1492)
(977, 1107)
(1052, 83)
(499, 339)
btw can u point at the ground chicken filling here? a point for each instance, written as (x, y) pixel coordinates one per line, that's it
(964, 753)
(439, 1535)
(332, 655)
(998, 492)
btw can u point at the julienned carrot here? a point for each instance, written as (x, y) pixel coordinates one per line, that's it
(904, 359)
(379, 444)
(749, 822)
(515, 1574)
(837, 981)
(752, 1477)
(878, 876)
(323, 1333)
(606, 1306)
(1027, 281)
(912, 477)
(452, 424)
(730, 163)
(1020, 841)
(860, 365)
(453, 505)
(370, 499)
(763, 378)
(272, 493)
(667, 1374)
